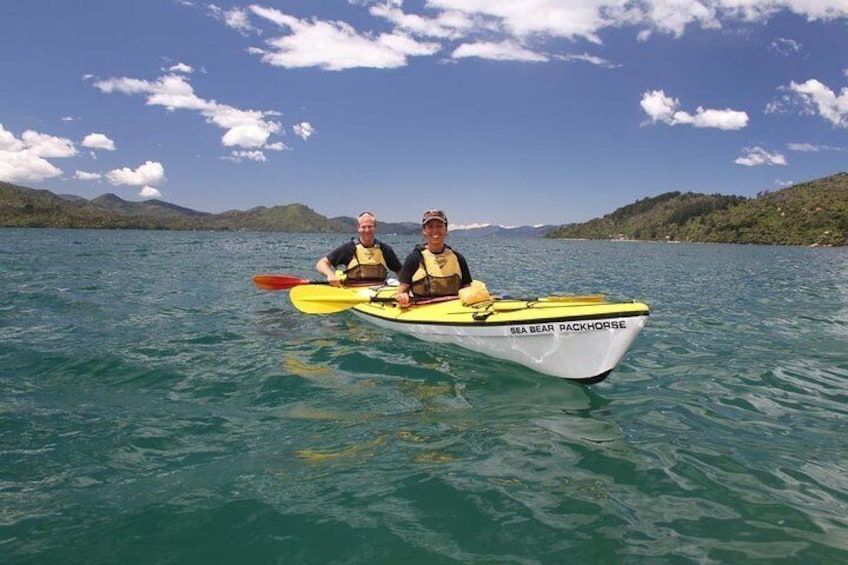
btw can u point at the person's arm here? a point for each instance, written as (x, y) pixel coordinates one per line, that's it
(324, 267)
(410, 265)
(392, 261)
(327, 265)
(463, 267)
(402, 295)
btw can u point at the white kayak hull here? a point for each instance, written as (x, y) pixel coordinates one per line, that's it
(577, 342)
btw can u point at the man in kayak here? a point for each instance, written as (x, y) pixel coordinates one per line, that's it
(432, 269)
(363, 260)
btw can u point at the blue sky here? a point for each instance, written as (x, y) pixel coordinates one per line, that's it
(510, 112)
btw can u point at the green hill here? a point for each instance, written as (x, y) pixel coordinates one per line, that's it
(810, 213)
(27, 207)
(290, 218)
(152, 208)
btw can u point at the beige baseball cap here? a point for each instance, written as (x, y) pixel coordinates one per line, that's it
(434, 215)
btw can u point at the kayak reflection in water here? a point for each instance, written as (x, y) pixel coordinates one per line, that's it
(362, 261)
(433, 269)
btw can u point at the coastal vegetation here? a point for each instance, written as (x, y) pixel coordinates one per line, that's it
(809, 213)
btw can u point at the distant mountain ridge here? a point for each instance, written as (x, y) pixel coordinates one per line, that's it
(152, 207)
(28, 207)
(414, 228)
(809, 213)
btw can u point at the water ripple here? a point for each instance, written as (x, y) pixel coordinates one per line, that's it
(155, 407)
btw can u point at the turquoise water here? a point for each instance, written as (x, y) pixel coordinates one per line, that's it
(156, 408)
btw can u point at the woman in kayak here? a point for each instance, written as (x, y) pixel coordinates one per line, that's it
(365, 260)
(432, 269)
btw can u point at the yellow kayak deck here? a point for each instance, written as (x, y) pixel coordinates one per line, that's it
(500, 310)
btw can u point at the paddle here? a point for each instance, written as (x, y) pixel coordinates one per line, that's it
(594, 298)
(330, 299)
(281, 282)
(285, 282)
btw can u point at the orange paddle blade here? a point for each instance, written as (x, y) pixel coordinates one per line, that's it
(280, 282)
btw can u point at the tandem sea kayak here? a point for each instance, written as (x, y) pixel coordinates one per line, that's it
(580, 338)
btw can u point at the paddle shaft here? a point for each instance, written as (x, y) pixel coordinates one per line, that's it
(287, 282)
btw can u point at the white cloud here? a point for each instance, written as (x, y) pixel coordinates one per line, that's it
(587, 58)
(84, 175)
(810, 147)
(658, 106)
(303, 130)
(25, 167)
(24, 159)
(239, 156)
(335, 46)
(445, 25)
(245, 128)
(815, 98)
(785, 47)
(503, 51)
(8, 142)
(663, 108)
(98, 141)
(149, 173)
(181, 68)
(813, 9)
(277, 146)
(247, 134)
(235, 18)
(805, 147)
(44, 145)
(149, 192)
(476, 28)
(523, 18)
(673, 16)
(726, 119)
(756, 156)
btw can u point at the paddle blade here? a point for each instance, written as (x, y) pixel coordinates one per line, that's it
(278, 282)
(319, 299)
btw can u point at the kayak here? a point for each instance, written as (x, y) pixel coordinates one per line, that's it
(580, 338)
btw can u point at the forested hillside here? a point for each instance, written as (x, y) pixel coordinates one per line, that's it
(810, 213)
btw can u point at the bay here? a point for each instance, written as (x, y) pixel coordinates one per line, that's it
(156, 408)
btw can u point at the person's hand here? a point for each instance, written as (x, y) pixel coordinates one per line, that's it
(333, 279)
(402, 298)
